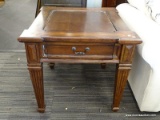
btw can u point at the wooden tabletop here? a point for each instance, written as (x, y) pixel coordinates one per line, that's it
(55, 23)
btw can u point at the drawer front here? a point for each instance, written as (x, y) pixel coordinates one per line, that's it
(74, 50)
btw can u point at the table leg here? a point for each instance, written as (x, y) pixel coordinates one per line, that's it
(120, 83)
(103, 65)
(51, 65)
(35, 68)
(36, 74)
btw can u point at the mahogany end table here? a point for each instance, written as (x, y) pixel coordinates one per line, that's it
(79, 35)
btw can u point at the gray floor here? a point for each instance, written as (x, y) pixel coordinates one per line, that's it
(72, 92)
(15, 16)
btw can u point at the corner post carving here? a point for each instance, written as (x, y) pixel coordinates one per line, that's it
(36, 73)
(122, 73)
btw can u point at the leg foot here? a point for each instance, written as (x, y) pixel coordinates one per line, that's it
(115, 109)
(51, 65)
(41, 110)
(103, 65)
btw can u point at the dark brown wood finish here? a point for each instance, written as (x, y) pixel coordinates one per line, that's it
(112, 3)
(79, 35)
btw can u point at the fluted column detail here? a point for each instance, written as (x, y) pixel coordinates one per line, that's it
(120, 83)
(35, 68)
(36, 74)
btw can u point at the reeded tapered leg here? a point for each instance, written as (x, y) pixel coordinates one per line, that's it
(36, 74)
(123, 68)
(35, 68)
(120, 83)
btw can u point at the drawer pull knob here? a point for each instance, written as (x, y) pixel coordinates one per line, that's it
(87, 49)
(74, 49)
(80, 53)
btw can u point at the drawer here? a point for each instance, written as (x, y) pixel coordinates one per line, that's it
(77, 50)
